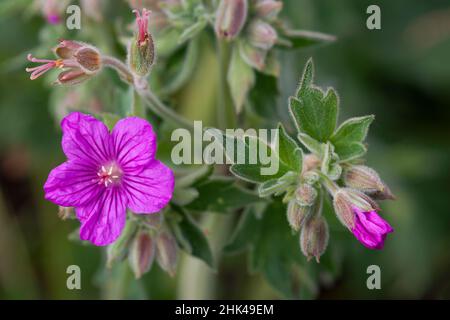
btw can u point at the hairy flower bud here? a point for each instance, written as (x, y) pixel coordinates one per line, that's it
(368, 181)
(262, 35)
(296, 214)
(268, 9)
(310, 177)
(306, 195)
(119, 249)
(310, 162)
(142, 253)
(141, 52)
(344, 202)
(314, 237)
(230, 18)
(167, 252)
(153, 220)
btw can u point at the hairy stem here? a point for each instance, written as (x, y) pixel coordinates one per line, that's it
(328, 184)
(158, 107)
(121, 68)
(150, 99)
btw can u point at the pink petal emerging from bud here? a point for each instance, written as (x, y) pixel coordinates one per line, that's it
(262, 35)
(142, 24)
(370, 229)
(72, 77)
(230, 18)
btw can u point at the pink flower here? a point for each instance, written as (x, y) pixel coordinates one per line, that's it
(358, 212)
(108, 172)
(370, 229)
(80, 62)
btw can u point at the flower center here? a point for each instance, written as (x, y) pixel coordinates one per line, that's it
(109, 175)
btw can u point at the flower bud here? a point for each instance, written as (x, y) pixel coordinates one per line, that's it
(346, 200)
(296, 214)
(262, 35)
(306, 195)
(153, 220)
(72, 77)
(310, 162)
(167, 252)
(88, 59)
(119, 249)
(311, 177)
(230, 18)
(268, 9)
(368, 181)
(314, 237)
(142, 253)
(66, 48)
(141, 52)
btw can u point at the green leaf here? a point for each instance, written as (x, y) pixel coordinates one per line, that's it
(274, 249)
(349, 137)
(184, 196)
(313, 111)
(263, 97)
(188, 177)
(277, 186)
(288, 150)
(311, 144)
(192, 239)
(253, 169)
(294, 39)
(192, 31)
(330, 166)
(221, 195)
(246, 232)
(184, 68)
(255, 172)
(241, 79)
(253, 56)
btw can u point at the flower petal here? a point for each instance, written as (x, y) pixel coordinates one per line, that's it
(134, 142)
(370, 229)
(149, 190)
(71, 184)
(85, 139)
(103, 219)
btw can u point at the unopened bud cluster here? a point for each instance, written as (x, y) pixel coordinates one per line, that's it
(142, 243)
(304, 211)
(252, 22)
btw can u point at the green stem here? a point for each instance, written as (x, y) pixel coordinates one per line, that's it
(150, 99)
(155, 105)
(329, 185)
(226, 113)
(121, 68)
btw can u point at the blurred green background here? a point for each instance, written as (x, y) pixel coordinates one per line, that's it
(399, 73)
